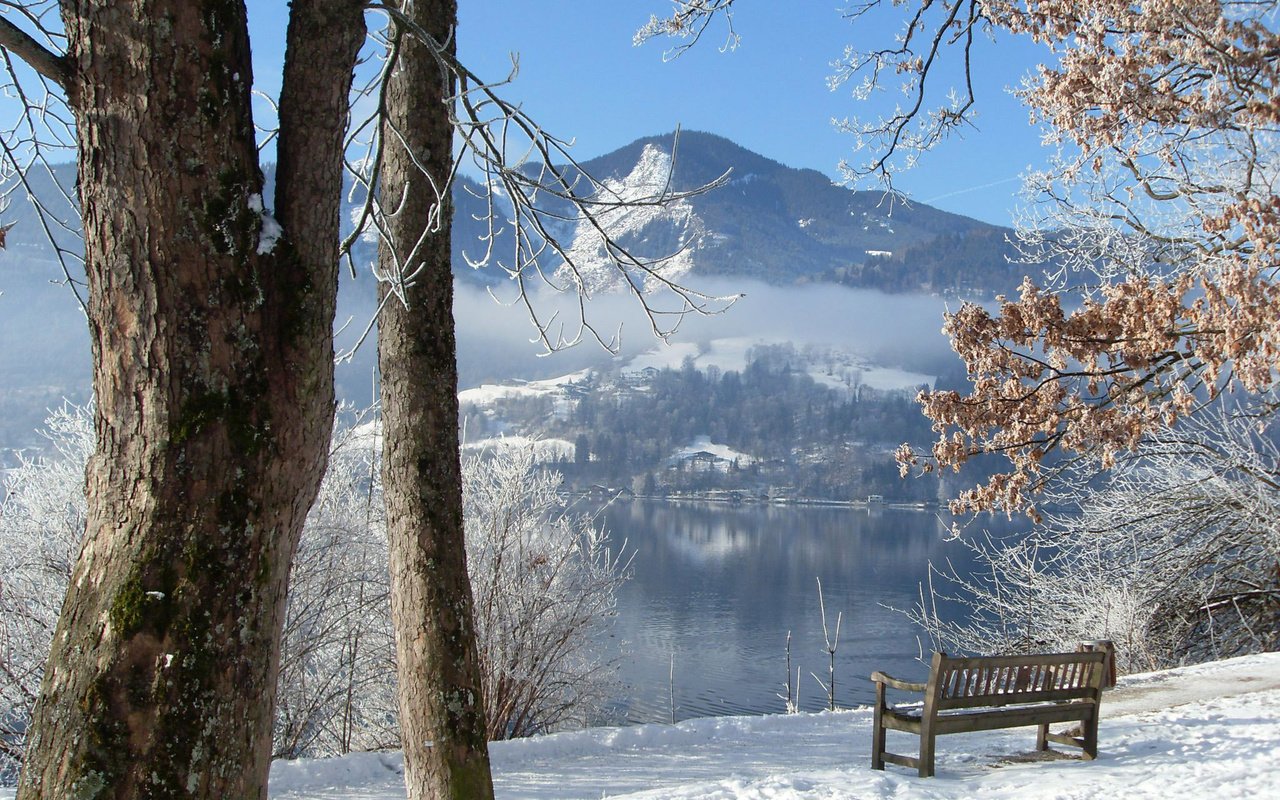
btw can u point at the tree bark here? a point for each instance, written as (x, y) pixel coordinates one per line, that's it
(213, 376)
(442, 721)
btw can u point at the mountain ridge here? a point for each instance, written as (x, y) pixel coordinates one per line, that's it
(772, 222)
(787, 225)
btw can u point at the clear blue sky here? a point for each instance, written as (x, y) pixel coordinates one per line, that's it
(581, 77)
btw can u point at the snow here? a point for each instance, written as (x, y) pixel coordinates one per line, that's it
(543, 449)
(649, 179)
(489, 393)
(1208, 728)
(1213, 726)
(728, 354)
(664, 356)
(271, 231)
(888, 379)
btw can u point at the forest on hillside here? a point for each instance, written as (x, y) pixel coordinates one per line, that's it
(770, 429)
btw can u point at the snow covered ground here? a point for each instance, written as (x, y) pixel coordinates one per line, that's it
(1212, 727)
(489, 393)
(703, 444)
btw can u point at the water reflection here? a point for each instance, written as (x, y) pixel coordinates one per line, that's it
(719, 587)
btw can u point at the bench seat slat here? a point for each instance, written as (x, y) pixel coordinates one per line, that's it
(898, 721)
(1012, 718)
(909, 721)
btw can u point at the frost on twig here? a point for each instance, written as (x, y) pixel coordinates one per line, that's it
(689, 19)
(832, 642)
(1174, 556)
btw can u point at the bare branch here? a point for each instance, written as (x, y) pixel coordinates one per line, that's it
(37, 56)
(565, 227)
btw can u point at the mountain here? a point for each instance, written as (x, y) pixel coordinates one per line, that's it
(769, 223)
(776, 223)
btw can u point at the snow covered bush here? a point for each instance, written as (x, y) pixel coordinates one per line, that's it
(42, 520)
(544, 581)
(337, 661)
(1175, 557)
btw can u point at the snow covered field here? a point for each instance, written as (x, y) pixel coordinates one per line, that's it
(1212, 727)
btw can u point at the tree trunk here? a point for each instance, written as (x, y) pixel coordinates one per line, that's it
(442, 721)
(213, 377)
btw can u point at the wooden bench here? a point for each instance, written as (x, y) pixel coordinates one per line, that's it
(985, 693)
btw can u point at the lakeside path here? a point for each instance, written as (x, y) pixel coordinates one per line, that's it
(1155, 691)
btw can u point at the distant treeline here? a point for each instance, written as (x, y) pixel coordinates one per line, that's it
(980, 262)
(796, 435)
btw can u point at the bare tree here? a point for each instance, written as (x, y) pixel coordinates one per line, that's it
(442, 721)
(210, 321)
(424, 97)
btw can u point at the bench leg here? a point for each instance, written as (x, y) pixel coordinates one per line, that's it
(878, 730)
(1042, 738)
(1091, 736)
(927, 737)
(926, 756)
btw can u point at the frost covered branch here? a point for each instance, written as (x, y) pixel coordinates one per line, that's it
(899, 139)
(688, 20)
(534, 190)
(1174, 556)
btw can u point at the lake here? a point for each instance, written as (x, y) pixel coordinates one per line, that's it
(718, 587)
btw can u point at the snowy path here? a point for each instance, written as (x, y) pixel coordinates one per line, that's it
(1160, 690)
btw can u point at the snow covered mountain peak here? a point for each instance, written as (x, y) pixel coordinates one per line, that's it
(638, 212)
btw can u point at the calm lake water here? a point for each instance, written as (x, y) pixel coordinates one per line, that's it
(718, 587)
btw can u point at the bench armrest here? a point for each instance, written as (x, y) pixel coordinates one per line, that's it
(906, 686)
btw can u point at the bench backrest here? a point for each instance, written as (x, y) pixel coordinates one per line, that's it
(971, 682)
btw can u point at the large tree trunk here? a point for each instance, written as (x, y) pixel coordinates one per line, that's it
(442, 721)
(214, 385)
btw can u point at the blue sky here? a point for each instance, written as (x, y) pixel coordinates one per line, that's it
(581, 77)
